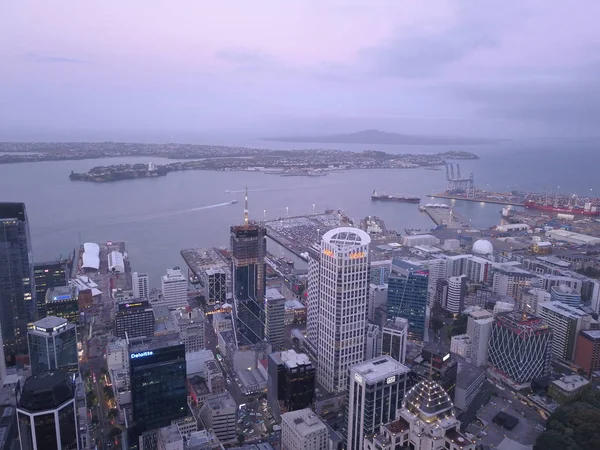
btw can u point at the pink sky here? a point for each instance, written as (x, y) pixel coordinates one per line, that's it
(493, 67)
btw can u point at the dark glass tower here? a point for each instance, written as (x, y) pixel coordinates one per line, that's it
(248, 251)
(407, 296)
(17, 284)
(46, 412)
(48, 275)
(158, 386)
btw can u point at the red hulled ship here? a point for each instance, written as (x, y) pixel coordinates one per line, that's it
(564, 204)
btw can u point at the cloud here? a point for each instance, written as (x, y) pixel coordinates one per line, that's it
(36, 58)
(245, 58)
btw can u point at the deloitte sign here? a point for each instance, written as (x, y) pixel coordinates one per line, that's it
(141, 354)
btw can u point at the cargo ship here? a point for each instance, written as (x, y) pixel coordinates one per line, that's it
(380, 196)
(564, 204)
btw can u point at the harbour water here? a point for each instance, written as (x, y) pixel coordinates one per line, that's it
(158, 217)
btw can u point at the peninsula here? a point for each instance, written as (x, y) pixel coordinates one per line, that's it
(275, 162)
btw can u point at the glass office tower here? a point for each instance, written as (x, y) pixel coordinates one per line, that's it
(407, 296)
(46, 412)
(17, 285)
(48, 275)
(53, 345)
(158, 385)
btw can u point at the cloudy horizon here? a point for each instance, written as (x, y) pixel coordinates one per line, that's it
(501, 69)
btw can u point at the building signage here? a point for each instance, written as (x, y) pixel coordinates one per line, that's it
(356, 255)
(328, 252)
(358, 378)
(61, 297)
(132, 305)
(390, 380)
(446, 357)
(142, 354)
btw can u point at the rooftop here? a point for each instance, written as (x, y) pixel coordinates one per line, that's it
(570, 383)
(292, 359)
(592, 334)
(273, 294)
(378, 369)
(50, 324)
(304, 421)
(398, 323)
(467, 375)
(563, 289)
(562, 309)
(221, 401)
(47, 390)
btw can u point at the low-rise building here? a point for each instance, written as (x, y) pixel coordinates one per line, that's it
(587, 351)
(568, 388)
(219, 415)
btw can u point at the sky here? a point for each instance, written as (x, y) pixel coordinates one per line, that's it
(490, 68)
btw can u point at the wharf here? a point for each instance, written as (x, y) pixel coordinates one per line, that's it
(297, 234)
(492, 197)
(447, 218)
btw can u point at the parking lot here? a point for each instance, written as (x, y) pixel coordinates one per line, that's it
(254, 419)
(489, 433)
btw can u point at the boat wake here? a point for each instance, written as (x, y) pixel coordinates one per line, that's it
(174, 213)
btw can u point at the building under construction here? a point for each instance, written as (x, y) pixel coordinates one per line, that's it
(248, 251)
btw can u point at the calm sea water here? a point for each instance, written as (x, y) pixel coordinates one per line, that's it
(158, 217)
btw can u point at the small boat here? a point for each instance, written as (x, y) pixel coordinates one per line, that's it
(227, 191)
(233, 202)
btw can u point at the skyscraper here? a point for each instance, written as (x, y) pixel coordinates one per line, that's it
(134, 319)
(393, 338)
(337, 307)
(479, 329)
(457, 291)
(520, 347)
(48, 275)
(248, 251)
(47, 412)
(158, 385)
(17, 283)
(275, 318)
(53, 345)
(407, 296)
(140, 284)
(377, 387)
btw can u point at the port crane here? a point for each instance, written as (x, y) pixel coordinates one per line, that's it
(456, 184)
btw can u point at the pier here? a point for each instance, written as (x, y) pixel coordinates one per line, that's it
(446, 217)
(492, 197)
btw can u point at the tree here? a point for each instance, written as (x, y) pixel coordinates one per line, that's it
(114, 432)
(459, 326)
(114, 412)
(241, 438)
(91, 398)
(437, 323)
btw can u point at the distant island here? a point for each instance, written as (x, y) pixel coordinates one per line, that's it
(376, 137)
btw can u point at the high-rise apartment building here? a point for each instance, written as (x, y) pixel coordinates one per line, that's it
(134, 319)
(566, 322)
(457, 291)
(520, 347)
(17, 283)
(510, 280)
(377, 387)
(337, 306)
(393, 339)
(48, 275)
(174, 289)
(587, 351)
(53, 345)
(291, 381)
(47, 412)
(479, 329)
(407, 296)
(303, 430)
(157, 372)
(140, 285)
(275, 318)
(248, 251)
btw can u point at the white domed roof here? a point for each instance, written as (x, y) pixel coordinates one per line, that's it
(483, 247)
